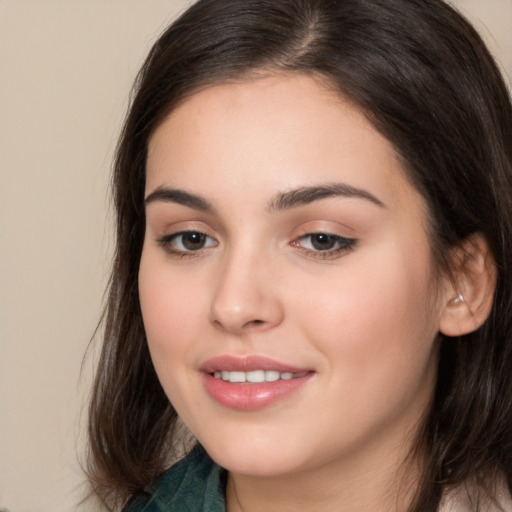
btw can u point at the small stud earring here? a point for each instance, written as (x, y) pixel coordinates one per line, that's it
(458, 300)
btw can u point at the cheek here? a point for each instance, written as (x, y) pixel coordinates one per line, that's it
(375, 318)
(377, 343)
(170, 306)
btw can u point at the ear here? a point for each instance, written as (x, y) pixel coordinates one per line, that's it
(469, 292)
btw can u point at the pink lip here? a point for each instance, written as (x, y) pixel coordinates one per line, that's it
(247, 364)
(250, 396)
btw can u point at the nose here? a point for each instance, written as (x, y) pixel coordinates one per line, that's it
(246, 297)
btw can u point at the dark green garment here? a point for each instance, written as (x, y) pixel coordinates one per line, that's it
(195, 484)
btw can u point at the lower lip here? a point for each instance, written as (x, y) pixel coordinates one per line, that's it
(251, 396)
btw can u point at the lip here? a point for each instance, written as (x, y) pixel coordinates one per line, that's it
(247, 364)
(250, 396)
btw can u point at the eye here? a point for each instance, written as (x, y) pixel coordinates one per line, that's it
(324, 244)
(186, 242)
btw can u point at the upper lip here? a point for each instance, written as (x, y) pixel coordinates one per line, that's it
(247, 364)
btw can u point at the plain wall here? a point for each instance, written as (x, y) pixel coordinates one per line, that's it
(66, 68)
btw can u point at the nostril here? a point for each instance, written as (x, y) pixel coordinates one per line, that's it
(254, 323)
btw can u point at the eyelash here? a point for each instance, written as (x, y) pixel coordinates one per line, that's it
(167, 243)
(341, 244)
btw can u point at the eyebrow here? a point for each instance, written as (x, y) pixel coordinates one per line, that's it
(282, 201)
(306, 195)
(174, 195)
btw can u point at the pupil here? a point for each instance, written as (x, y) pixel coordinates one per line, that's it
(323, 242)
(193, 241)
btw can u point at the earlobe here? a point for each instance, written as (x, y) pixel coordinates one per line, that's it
(469, 294)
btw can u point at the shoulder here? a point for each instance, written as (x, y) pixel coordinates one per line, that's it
(194, 484)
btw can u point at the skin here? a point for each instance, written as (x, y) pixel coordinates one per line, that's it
(363, 320)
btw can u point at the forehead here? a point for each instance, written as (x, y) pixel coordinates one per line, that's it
(277, 132)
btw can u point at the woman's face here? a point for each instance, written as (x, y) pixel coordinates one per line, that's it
(286, 281)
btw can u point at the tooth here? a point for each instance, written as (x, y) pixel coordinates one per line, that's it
(236, 376)
(256, 376)
(271, 375)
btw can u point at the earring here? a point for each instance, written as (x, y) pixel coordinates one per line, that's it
(457, 300)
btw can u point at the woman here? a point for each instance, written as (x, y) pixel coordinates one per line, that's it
(313, 266)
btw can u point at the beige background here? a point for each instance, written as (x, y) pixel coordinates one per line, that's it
(66, 67)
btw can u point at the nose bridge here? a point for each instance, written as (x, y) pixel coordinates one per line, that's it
(245, 297)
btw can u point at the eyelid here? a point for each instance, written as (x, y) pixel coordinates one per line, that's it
(168, 226)
(343, 245)
(337, 231)
(167, 240)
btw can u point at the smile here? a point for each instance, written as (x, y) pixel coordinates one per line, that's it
(256, 376)
(252, 382)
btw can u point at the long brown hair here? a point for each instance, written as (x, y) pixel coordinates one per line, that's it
(426, 81)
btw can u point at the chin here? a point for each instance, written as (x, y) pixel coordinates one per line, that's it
(254, 459)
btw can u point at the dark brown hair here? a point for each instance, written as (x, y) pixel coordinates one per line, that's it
(426, 81)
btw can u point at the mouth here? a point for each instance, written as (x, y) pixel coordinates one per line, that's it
(251, 383)
(256, 376)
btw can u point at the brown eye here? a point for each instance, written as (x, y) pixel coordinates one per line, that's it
(193, 241)
(186, 242)
(323, 242)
